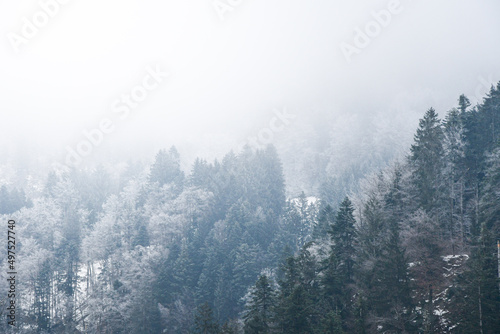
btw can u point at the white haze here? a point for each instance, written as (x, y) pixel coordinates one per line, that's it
(228, 76)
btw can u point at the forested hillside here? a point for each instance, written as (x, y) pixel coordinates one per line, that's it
(220, 249)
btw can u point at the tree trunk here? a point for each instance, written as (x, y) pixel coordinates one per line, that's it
(480, 311)
(462, 228)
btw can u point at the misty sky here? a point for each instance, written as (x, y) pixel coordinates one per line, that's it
(227, 76)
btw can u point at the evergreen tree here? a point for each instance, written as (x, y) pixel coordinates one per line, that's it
(477, 299)
(166, 169)
(200, 174)
(230, 327)
(207, 283)
(333, 288)
(455, 173)
(245, 260)
(271, 192)
(297, 220)
(295, 317)
(13, 200)
(50, 184)
(204, 322)
(393, 302)
(42, 297)
(425, 251)
(426, 160)
(490, 201)
(166, 284)
(464, 104)
(344, 237)
(325, 221)
(332, 324)
(259, 316)
(489, 116)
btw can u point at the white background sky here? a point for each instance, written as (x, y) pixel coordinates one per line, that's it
(227, 76)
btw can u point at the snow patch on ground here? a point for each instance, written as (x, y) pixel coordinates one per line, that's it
(413, 264)
(448, 258)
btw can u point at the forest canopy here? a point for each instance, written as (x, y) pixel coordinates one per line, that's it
(221, 248)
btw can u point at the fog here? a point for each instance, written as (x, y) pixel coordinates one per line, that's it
(231, 69)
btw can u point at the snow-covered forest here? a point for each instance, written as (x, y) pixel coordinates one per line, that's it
(221, 248)
(249, 167)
